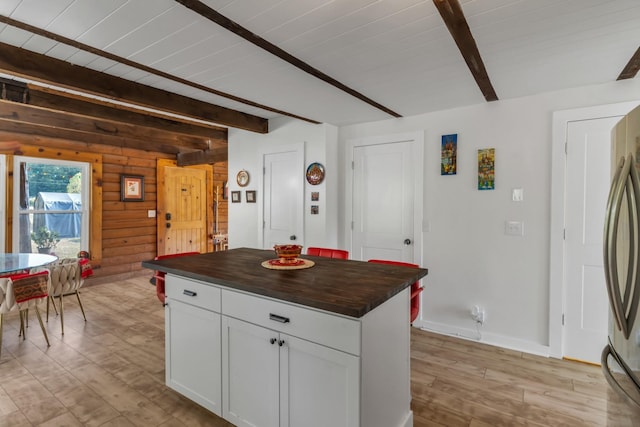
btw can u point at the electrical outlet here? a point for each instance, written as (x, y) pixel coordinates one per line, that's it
(477, 314)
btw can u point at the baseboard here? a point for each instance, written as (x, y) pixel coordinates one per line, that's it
(408, 421)
(485, 338)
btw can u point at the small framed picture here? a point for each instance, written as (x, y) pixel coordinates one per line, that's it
(225, 190)
(315, 210)
(235, 197)
(251, 196)
(315, 196)
(132, 188)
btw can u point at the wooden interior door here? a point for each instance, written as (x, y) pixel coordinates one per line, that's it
(185, 208)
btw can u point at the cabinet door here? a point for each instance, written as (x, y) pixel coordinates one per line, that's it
(250, 375)
(193, 354)
(319, 385)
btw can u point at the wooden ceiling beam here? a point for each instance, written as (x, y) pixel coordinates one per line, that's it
(31, 134)
(74, 43)
(632, 67)
(453, 17)
(25, 118)
(202, 157)
(226, 23)
(24, 63)
(62, 101)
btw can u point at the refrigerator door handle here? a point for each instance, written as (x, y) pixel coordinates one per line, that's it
(610, 239)
(632, 291)
(626, 182)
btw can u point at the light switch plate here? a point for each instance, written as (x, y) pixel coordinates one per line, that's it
(517, 194)
(151, 213)
(514, 228)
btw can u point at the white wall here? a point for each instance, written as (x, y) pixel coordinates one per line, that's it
(244, 153)
(470, 259)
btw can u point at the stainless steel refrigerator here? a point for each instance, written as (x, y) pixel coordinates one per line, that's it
(621, 357)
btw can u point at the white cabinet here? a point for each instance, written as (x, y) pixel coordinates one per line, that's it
(319, 386)
(262, 362)
(250, 378)
(192, 347)
(276, 380)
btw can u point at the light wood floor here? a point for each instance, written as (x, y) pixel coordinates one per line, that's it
(109, 371)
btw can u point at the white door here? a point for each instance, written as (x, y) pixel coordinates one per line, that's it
(283, 197)
(250, 374)
(383, 202)
(588, 178)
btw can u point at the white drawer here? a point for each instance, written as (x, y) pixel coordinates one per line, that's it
(320, 327)
(200, 294)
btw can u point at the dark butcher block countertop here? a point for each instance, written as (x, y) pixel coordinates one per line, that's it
(351, 288)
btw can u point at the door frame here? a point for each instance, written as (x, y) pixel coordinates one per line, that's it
(299, 149)
(557, 282)
(417, 149)
(3, 203)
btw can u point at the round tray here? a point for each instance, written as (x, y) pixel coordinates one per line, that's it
(298, 264)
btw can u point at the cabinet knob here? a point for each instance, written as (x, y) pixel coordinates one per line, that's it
(273, 340)
(281, 343)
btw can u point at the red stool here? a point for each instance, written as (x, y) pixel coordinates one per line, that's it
(328, 253)
(415, 287)
(159, 275)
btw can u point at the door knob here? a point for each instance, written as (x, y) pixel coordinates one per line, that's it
(407, 241)
(292, 237)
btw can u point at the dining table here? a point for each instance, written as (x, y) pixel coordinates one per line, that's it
(16, 262)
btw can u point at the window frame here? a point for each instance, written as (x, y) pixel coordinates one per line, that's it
(85, 196)
(4, 202)
(95, 208)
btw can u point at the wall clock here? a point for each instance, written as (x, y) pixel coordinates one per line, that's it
(242, 178)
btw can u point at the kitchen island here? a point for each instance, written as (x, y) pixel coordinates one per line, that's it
(320, 346)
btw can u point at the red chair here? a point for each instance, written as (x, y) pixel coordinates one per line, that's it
(328, 253)
(159, 275)
(415, 287)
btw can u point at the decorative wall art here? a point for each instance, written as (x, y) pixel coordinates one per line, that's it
(449, 154)
(315, 196)
(315, 173)
(315, 210)
(251, 196)
(235, 197)
(225, 190)
(242, 178)
(131, 188)
(486, 169)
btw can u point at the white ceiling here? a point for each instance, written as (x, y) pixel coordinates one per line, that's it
(397, 52)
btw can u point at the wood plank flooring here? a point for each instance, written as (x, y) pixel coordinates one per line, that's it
(109, 371)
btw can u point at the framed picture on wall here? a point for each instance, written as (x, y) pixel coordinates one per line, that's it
(251, 196)
(131, 188)
(235, 197)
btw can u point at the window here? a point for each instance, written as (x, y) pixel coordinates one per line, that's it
(50, 204)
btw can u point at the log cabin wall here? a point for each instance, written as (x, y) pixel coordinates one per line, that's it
(45, 122)
(128, 235)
